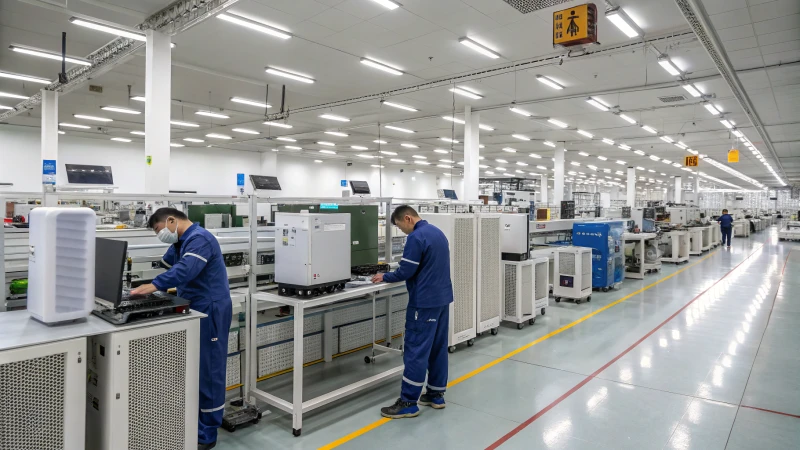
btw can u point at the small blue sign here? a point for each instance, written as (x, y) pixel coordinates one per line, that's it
(329, 206)
(49, 171)
(344, 183)
(239, 179)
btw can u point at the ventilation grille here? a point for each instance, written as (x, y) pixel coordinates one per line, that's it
(73, 268)
(542, 284)
(527, 288)
(510, 290)
(156, 398)
(32, 399)
(490, 268)
(527, 6)
(586, 270)
(566, 263)
(672, 98)
(464, 274)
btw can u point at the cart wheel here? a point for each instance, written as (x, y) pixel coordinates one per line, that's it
(367, 359)
(229, 428)
(520, 326)
(254, 421)
(296, 433)
(531, 321)
(589, 298)
(495, 331)
(542, 311)
(470, 342)
(577, 301)
(237, 402)
(558, 299)
(259, 416)
(451, 349)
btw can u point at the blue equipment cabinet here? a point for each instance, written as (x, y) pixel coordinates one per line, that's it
(608, 259)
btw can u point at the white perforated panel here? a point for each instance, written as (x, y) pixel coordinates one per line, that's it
(233, 370)
(542, 283)
(233, 340)
(510, 290)
(566, 263)
(463, 267)
(280, 331)
(490, 273)
(586, 270)
(527, 287)
(276, 358)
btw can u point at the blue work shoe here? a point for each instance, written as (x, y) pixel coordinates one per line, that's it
(433, 399)
(400, 410)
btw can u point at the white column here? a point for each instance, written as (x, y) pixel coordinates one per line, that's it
(678, 189)
(157, 109)
(558, 174)
(631, 187)
(471, 153)
(49, 139)
(543, 195)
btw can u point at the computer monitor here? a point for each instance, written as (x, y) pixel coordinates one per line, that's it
(265, 183)
(109, 265)
(86, 174)
(450, 193)
(359, 187)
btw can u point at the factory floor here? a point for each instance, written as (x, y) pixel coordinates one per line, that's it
(702, 355)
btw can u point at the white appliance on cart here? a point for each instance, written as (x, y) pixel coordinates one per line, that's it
(518, 292)
(489, 276)
(677, 246)
(541, 292)
(573, 274)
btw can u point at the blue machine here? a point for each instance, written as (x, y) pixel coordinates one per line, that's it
(608, 259)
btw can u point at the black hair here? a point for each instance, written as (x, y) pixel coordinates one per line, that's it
(402, 211)
(162, 214)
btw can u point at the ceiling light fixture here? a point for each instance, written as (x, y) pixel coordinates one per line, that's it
(328, 152)
(334, 117)
(120, 110)
(534, 155)
(639, 152)
(17, 76)
(509, 150)
(520, 111)
(712, 109)
(558, 123)
(549, 82)
(627, 119)
(408, 145)
(245, 131)
(585, 133)
(692, 90)
(108, 29)
(138, 133)
(448, 140)
(737, 133)
(286, 139)
(402, 161)
(326, 143)
(667, 139)
(74, 125)
(292, 147)
(621, 162)
(378, 141)
(181, 123)
(501, 161)
(608, 141)
(681, 145)
(337, 133)
(728, 124)
(602, 158)
(254, 25)
(381, 66)
(212, 114)
(422, 163)
(622, 21)
(175, 144)
(400, 106)
(291, 75)
(624, 147)
(480, 48)
(668, 65)
(218, 136)
(7, 95)
(549, 144)
(193, 140)
(419, 157)
(246, 101)
(138, 98)
(386, 152)
(583, 153)
(597, 104)
(95, 118)
(361, 155)
(649, 129)
(466, 92)
(360, 147)
(33, 51)
(439, 150)
(119, 139)
(388, 4)
(402, 130)
(278, 124)
(521, 137)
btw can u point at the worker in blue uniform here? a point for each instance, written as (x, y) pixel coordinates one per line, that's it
(425, 267)
(196, 268)
(726, 227)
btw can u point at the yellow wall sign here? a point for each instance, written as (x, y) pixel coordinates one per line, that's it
(733, 155)
(575, 26)
(691, 161)
(149, 160)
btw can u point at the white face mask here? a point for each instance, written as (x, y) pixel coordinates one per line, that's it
(166, 236)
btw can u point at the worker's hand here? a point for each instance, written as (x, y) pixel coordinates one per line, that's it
(144, 289)
(377, 278)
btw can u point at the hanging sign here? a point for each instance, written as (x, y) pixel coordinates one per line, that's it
(691, 161)
(49, 171)
(240, 179)
(575, 26)
(733, 155)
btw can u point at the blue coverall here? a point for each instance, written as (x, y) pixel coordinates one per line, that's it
(726, 227)
(425, 267)
(197, 269)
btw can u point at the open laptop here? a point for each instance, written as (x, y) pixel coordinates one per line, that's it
(113, 301)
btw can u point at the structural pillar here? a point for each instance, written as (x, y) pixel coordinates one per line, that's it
(157, 112)
(678, 190)
(49, 144)
(471, 153)
(543, 194)
(558, 174)
(631, 187)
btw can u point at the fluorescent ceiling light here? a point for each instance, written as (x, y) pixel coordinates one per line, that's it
(212, 114)
(183, 124)
(667, 139)
(360, 147)
(509, 150)
(402, 130)
(292, 147)
(444, 166)
(108, 29)
(521, 137)
(585, 133)
(326, 143)
(639, 152)
(485, 127)
(448, 140)
(291, 75)
(602, 158)
(480, 48)
(386, 152)
(334, 117)
(7, 95)
(138, 98)
(74, 125)
(419, 157)
(119, 139)
(246, 101)
(693, 91)
(557, 123)
(668, 65)
(378, 141)
(621, 162)
(639, 168)
(521, 111)
(627, 119)
(218, 136)
(549, 82)
(713, 110)
(120, 110)
(278, 124)
(727, 123)
(337, 133)
(625, 24)
(62, 132)
(483, 166)
(361, 155)
(534, 155)
(193, 140)
(681, 145)
(254, 25)
(448, 161)
(422, 163)
(17, 76)
(245, 131)
(608, 141)
(501, 161)
(649, 129)
(575, 163)
(399, 106)
(676, 165)
(175, 144)
(328, 152)
(381, 66)
(388, 4)
(583, 153)
(541, 167)
(409, 145)
(597, 104)
(439, 150)
(138, 133)
(549, 144)
(466, 92)
(95, 118)
(737, 133)
(377, 166)
(286, 139)
(33, 51)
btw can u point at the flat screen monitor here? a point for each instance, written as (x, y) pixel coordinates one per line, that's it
(85, 174)
(265, 183)
(109, 264)
(450, 193)
(359, 187)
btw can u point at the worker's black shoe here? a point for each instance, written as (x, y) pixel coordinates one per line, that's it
(433, 399)
(208, 446)
(400, 410)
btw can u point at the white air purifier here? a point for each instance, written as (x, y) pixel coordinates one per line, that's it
(573, 276)
(61, 264)
(490, 275)
(518, 292)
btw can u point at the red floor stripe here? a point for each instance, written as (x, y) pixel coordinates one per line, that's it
(786, 262)
(532, 419)
(771, 411)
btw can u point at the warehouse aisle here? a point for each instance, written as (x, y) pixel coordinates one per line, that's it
(688, 358)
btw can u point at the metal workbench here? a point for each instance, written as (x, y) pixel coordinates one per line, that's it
(642, 238)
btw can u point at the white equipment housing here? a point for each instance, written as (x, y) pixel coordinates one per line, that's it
(518, 292)
(741, 228)
(461, 233)
(143, 388)
(489, 275)
(312, 249)
(44, 396)
(678, 246)
(541, 292)
(515, 236)
(696, 239)
(61, 264)
(573, 273)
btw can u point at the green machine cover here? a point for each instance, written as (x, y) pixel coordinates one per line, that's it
(363, 228)
(197, 213)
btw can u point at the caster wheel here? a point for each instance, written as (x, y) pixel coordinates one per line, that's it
(495, 331)
(589, 298)
(254, 421)
(558, 299)
(259, 416)
(531, 321)
(451, 349)
(239, 402)
(577, 301)
(296, 433)
(470, 342)
(367, 359)
(605, 289)
(520, 326)
(542, 311)
(230, 428)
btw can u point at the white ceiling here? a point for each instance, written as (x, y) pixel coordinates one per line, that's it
(421, 38)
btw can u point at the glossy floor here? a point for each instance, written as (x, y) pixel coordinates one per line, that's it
(700, 356)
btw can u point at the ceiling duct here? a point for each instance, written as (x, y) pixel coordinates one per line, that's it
(672, 98)
(527, 6)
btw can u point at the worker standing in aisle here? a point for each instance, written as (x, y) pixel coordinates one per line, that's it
(196, 267)
(726, 227)
(425, 267)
